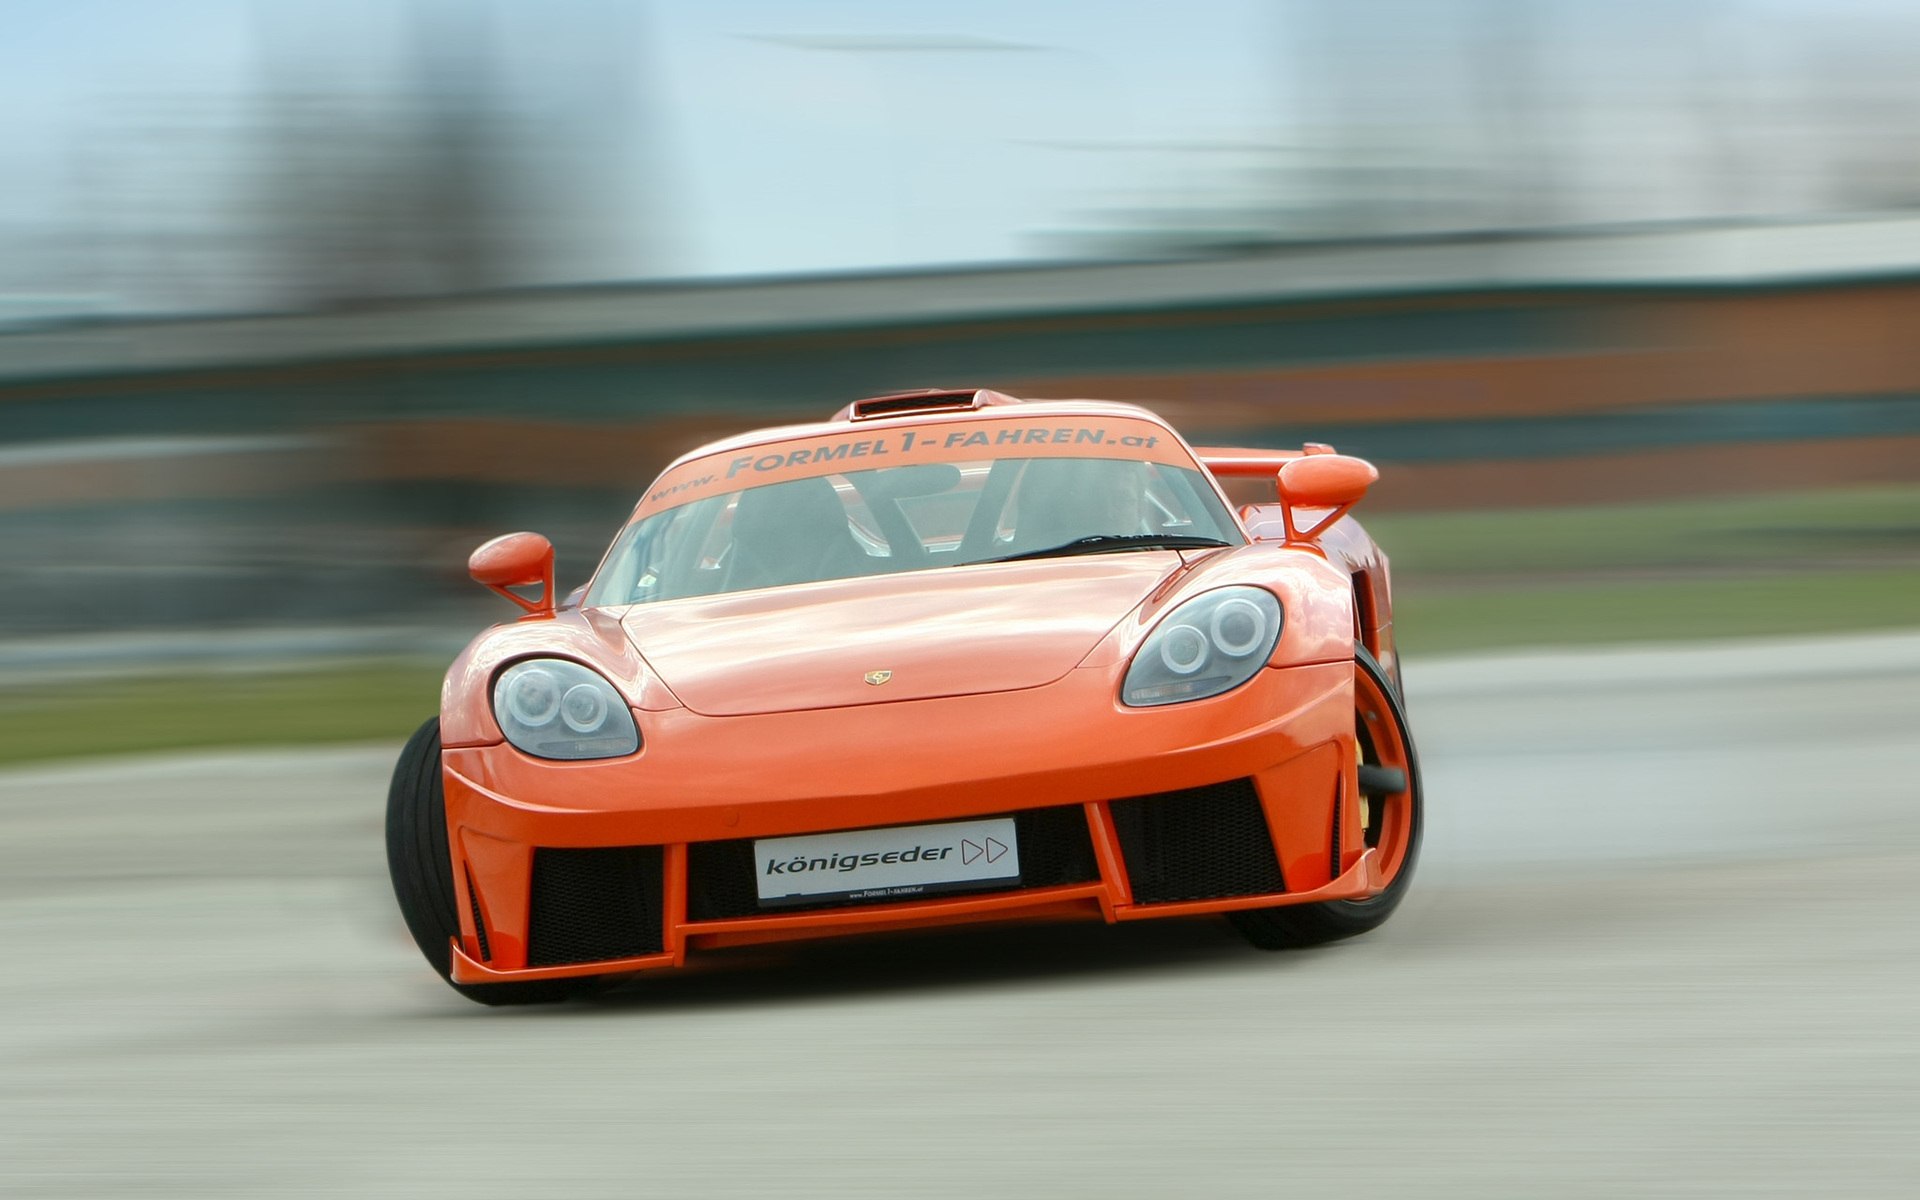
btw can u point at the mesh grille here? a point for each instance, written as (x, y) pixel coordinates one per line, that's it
(1339, 807)
(1204, 843)
(479, 925)
(1055, 850)
(593, 905)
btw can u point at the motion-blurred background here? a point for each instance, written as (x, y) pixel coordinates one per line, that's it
(299, 301)
(302, 299)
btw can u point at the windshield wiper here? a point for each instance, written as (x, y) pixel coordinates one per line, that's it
(1105, 543)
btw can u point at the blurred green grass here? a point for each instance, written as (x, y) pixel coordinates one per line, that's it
(1655, 610)
(1800, 563)
(361, 701)
(1812, 562)
(1877, 526)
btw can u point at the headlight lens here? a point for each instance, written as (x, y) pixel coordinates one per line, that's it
(552, 708)
(1211, 644)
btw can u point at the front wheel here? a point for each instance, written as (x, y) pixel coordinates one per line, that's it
(421, 866)
(1390, 813)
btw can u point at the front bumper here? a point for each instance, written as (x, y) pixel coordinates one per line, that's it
(1274, 758)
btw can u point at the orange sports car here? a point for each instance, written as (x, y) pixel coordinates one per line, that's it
(947, 657)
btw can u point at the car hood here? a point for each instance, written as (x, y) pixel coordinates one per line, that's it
(951, 632)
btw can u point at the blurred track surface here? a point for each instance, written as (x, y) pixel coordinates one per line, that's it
(1664, 943)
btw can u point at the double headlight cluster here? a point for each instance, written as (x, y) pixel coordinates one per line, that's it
(552, 708)
(1211, 644)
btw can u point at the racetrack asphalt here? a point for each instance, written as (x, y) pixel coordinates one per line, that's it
(1663, 942)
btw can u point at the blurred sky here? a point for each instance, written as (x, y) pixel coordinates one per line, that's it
(780, 136)
(700, 137)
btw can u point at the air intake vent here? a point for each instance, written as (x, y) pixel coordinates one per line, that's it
(1204, 843)
(927, 400)
(594, 905)
(1335, 857)
(479, 922)
(913, 402)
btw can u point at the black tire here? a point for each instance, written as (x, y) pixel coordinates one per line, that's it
(421, 866)
(1292, 926)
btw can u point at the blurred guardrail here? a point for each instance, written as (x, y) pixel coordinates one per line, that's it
(333, 468)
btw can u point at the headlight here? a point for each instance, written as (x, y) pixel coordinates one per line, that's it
(552, 708)
(1211, 644)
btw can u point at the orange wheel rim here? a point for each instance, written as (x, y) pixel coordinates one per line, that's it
(1387, 820)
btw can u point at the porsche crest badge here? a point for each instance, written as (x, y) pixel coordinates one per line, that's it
(876, 678)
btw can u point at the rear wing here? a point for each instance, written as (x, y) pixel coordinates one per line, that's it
(1234, 462)
(1314, 487)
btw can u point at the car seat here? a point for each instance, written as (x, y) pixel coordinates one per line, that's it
(792, 532)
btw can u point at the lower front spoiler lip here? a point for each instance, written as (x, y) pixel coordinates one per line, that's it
(466, 970)
(1359, 882)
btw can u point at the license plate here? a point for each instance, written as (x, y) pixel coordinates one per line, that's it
(886, 864)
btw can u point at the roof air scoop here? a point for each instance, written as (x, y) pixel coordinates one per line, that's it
(925, 400)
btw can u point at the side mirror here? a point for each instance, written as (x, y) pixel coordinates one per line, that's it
(1322, 481)
(517, 560)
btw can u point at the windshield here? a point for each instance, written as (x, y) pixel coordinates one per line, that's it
(910, 517)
